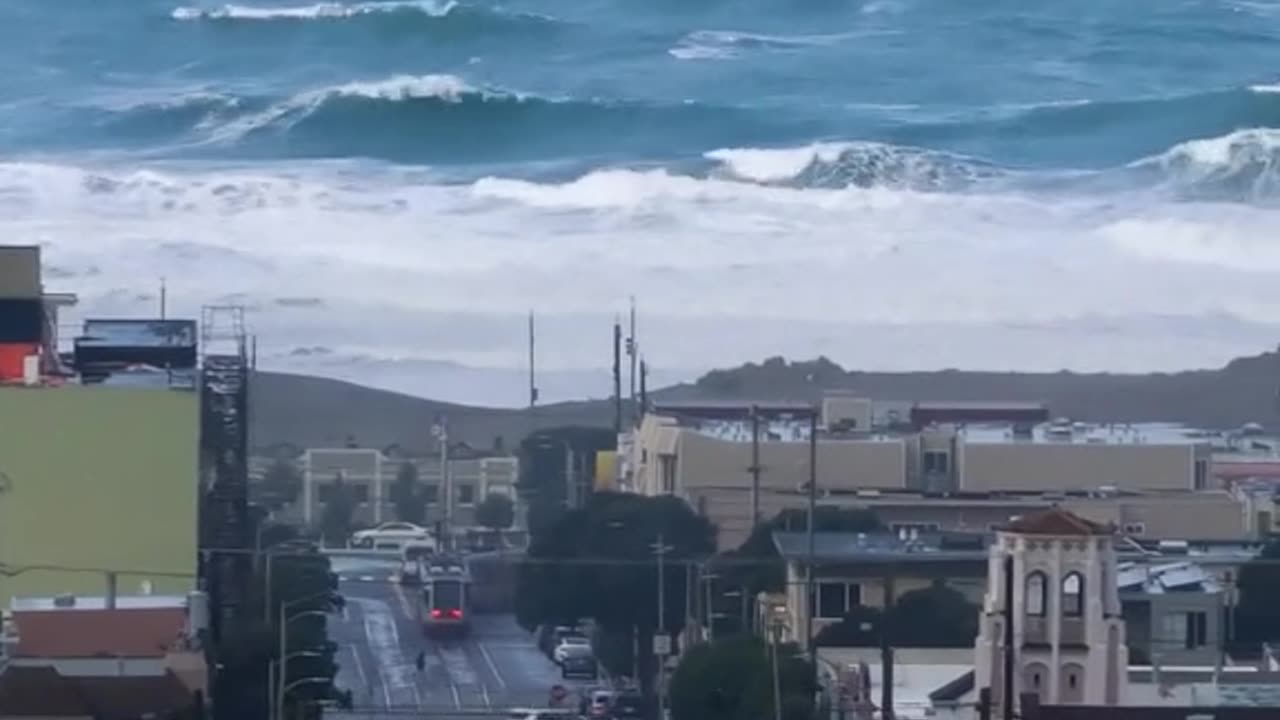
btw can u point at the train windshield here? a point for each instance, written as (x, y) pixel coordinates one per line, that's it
(448, 594)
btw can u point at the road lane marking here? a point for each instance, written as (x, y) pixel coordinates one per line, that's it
(493, 667)
(404, 602)
(364, 678)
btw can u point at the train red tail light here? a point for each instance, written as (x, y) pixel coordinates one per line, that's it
(435, 612)
(456, 614)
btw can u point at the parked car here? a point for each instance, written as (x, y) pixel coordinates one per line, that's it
(391, 536)
(600, 704)
(629, 705)
(549, 637)
(579, 665)
(539, 714)
(570, 645)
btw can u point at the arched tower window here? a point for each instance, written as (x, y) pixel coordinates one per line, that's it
(1073, 595)
(1036, 586)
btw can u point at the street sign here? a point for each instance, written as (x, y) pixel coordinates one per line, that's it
(662, 644)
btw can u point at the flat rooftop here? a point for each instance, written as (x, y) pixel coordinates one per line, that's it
(82, 602)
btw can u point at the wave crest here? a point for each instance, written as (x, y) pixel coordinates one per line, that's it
(316, 11)
(1242, 165)
(854, 164)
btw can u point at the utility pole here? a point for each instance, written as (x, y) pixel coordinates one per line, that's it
(813, 514)
(617, 377)
(755, 467)
(662, 646)
(533, 386)
(442, 432)
(775, 631)
(164, 298)
(886, 651)
(644, 388)
(1008, 638)
(632, 349)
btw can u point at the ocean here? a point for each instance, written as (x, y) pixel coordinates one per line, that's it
(390, 186)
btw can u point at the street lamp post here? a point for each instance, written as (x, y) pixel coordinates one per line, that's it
(282, 676)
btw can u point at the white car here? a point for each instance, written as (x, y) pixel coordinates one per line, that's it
(390, 536)
(571, 645)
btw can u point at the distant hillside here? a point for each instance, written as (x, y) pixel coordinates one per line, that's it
(308, 411)
(317, 412)
(1245, 390)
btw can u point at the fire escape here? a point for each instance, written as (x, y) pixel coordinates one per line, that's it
(225, 532)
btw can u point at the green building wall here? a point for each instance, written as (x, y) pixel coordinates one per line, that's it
(97, 479)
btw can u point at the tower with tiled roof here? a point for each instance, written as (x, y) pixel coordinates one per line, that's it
(1068, 636)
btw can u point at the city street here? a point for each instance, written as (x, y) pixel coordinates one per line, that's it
(496, 668)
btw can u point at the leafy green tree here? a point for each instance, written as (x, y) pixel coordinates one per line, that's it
(1257, 616)
(408, 496)
(339, 507)
(860, 627)
(732, 679)
(936, 616)
(598, 562)
(281, 484)
(496, 512)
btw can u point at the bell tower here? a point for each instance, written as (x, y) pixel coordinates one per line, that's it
(1068, 637)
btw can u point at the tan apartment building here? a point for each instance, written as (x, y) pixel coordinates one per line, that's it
(727, 460)
(372, 474)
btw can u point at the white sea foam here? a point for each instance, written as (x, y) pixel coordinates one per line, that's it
(776, 164)
(316, 11)
(1270, 89)
(390, 268)
(728, 44)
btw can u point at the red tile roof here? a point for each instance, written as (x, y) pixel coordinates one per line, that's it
(43, 692)
(84, 633)
(1056, 521)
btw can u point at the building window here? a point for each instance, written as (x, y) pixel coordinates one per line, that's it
(466, 494)
(1201, 474)
(667, 466)
(1073, 595)
(361, 493)
(430, 494)
(1188, 629)
(836, 599)
(936, 461)
(1135, 528)
(1037, 584)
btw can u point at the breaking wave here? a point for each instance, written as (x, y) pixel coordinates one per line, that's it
(430, 118)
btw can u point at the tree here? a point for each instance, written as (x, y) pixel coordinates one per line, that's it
(936, 616)
(407, 495)
(1257, 616)
(496, 512)
(335, 521)
(598, 561)
(280, 484)
(298, 572)
(732, 679)
(543, 458)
